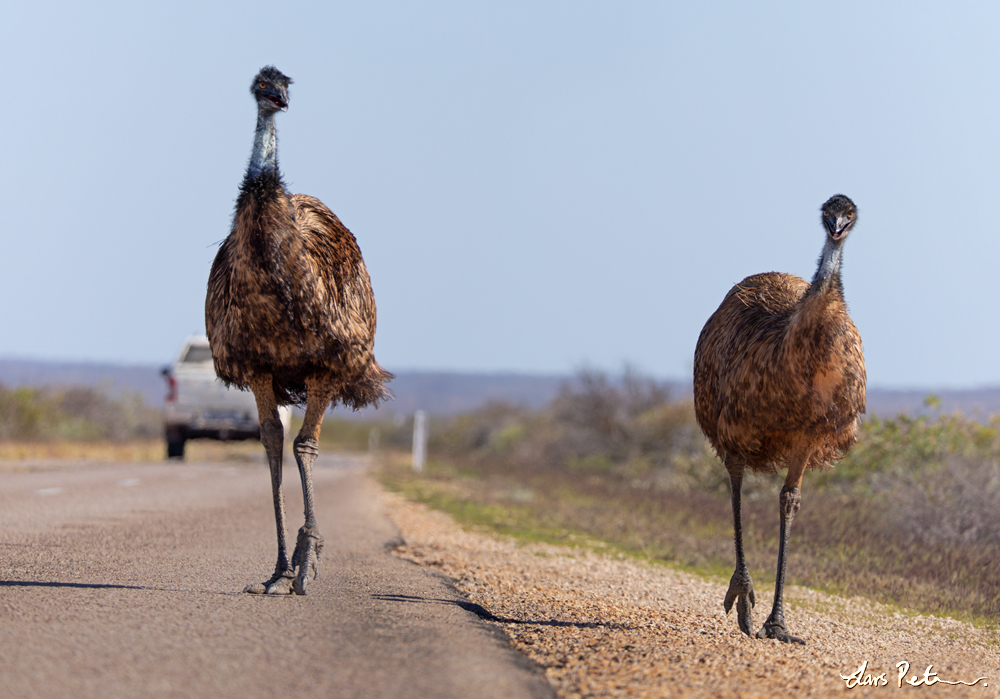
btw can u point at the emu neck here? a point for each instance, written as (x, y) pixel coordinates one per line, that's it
(827, 277)
(265, 146)
(821, 312)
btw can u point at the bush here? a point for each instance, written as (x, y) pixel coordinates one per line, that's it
(956, 502)
(77, 413)
(624, 426)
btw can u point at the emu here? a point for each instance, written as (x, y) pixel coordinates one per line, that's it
(290, 315)
(779, 380)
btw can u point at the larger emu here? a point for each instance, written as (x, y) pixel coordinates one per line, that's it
(779, 380)
(290, 314)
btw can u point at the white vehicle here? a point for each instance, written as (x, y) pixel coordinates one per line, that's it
(198, 404)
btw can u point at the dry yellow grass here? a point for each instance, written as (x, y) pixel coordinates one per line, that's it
(146, 450)
(143, 451)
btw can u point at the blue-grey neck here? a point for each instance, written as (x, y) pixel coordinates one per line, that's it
(265, 146)
(828, 270)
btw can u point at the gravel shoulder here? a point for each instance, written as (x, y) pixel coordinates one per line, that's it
(607, 626)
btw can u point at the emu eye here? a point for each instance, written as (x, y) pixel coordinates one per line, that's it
(850, 214)
(262, 85)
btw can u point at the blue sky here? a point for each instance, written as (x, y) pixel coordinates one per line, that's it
(535, 186)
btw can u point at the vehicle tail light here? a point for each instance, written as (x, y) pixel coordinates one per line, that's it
(171, 389)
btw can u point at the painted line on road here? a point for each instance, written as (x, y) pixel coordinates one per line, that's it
(48, 491)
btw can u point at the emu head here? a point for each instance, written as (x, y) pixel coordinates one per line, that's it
(839, 214)
(270, 88)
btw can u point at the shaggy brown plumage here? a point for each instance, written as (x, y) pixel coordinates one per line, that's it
(779, 381)
(290, 314)
(289, 292)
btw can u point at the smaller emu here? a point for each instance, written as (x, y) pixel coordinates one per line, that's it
(290, 314)
(779, 380)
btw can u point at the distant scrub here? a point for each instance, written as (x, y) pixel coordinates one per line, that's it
(910, 515)
(596, 419)
(74, 414)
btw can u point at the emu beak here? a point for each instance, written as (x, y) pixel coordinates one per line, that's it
(840, 227)
(279, 98)
(837, 226)
(831, 225)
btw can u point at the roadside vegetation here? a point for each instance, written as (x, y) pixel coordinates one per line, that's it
(911, 516)
(77, 422)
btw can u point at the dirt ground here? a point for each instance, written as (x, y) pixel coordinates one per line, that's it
(605, 626)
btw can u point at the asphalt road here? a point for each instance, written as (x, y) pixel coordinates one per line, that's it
(124, 580)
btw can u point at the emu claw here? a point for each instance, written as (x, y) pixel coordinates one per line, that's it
(741, 591)
(777, 631)
(308, 547)
(279, 584)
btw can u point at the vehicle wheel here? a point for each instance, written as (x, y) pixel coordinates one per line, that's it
(175, 443)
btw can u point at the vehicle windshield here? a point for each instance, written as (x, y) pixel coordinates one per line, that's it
(198, 353)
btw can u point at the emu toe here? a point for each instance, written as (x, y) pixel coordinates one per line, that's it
(741, 591)
(776, 629)
(278, 584)
(308, 548)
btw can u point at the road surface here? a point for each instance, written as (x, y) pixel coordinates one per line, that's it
(122, 580)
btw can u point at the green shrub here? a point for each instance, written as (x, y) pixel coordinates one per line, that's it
(76, 413)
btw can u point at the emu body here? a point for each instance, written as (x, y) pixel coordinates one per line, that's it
(290, 314)
(779, 382)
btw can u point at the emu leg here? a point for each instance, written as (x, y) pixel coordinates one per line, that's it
(309, 544)
(789, 499)
(740, 585)
(272, 436)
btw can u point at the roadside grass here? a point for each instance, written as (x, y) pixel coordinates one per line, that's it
(77, 423)
(44, 444)
(909, 518)
(835, 546)
(510, 511)
(81, 423)
(139, 450)
(75, 414)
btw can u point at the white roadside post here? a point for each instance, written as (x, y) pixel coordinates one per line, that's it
(419, 440)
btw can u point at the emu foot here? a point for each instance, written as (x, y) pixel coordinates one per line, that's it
(308, 548)
(278, 584)
(741, 591)
(775, 628)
